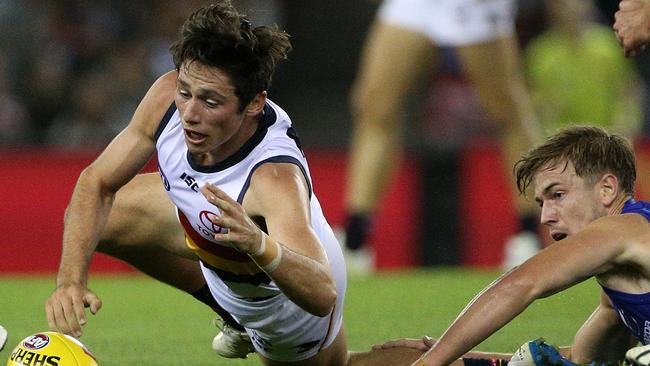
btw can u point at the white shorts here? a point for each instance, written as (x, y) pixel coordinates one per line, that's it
(452, 22)
(280, 329)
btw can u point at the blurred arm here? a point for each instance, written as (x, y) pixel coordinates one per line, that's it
(632, 25)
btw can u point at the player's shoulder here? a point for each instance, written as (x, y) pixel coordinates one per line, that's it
(632, 223)
(276, 172)
(630, 231)
(155, 103)
(164, 88)
(274, 182)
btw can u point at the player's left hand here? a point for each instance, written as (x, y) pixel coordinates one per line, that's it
(423, 344)
(242, 233)
(632, 26)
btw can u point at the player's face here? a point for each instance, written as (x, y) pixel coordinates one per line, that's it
(568, 202)
(209, 110)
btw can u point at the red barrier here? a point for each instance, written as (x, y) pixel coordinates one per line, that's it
(396, 229)
(36, 185)
(34, 190)
(486, 205)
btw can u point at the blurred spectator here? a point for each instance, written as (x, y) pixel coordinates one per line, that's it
(55, 50)
(87, 122)
(578, 73)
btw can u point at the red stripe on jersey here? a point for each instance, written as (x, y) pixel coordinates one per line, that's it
(210, 247)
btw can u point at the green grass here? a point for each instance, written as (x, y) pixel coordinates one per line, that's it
(143, 322)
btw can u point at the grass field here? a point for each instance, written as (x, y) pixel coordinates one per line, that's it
(147, 323)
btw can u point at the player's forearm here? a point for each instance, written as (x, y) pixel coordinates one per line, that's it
(304, 280)
(84, 219)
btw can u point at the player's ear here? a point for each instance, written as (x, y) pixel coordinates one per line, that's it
(256, 105)
(608, 188)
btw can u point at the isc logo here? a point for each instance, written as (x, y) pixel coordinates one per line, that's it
(190, 181)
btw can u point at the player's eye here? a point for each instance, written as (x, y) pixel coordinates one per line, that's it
(211, 103)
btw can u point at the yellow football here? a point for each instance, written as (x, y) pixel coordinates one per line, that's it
(51, 349)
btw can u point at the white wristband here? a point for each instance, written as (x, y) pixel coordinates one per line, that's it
(268, 257)
(275, 262)
(262, 247)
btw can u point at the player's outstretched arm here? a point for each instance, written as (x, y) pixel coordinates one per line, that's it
(291, 253)
(572, 260)
(632, 26)
(90, 205)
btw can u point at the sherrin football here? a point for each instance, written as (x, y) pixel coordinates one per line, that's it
(51, 349)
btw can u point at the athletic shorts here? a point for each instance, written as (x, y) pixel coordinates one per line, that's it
(280, 329)
(452, 22)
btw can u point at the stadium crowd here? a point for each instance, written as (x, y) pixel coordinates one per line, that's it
(72, 72)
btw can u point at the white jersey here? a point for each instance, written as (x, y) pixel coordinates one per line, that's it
(280, 330)
(452, 22)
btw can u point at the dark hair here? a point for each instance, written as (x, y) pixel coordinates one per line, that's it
(592, 151)
(218, 35)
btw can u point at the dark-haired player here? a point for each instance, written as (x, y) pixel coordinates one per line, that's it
(252, 228)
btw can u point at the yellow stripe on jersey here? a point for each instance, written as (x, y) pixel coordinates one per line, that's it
(235, 267)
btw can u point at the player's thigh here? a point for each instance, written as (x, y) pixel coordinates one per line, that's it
(492, 66)
(143, 216)
(394, 59)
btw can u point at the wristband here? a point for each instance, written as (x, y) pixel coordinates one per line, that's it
(262, 247)
(268, 257)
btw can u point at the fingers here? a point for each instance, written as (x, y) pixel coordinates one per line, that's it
(93, 302)
(65, 309)
(217, 197)
(428, 341)
(61, 316)
(627, 5)
(240, 231)
(51, 318)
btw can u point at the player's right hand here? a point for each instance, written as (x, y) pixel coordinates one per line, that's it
(65, 308)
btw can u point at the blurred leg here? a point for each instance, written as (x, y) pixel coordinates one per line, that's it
(495, 69)
(392, 63)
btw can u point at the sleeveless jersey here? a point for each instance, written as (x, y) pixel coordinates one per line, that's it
(280, 330)
(633, 309)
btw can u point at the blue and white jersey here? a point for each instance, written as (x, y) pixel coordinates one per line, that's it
(280, 330)
(633, 309)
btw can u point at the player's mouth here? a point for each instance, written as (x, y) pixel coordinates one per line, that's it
(194, 137)
(558, 236)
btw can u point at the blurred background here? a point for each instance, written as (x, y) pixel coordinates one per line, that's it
(72, 72)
